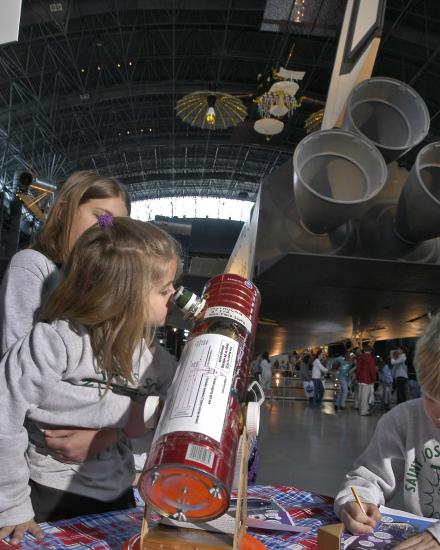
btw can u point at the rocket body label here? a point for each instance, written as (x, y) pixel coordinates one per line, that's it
(198, 397)
(229, 313)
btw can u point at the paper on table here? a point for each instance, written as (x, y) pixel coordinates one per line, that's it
(384, 510)
(275, 526)
(262, 514)
(394, 527)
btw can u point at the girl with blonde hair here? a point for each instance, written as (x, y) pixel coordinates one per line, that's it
(97, 326)
(33, 273)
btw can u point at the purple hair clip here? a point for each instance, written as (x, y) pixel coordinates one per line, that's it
(105, 220)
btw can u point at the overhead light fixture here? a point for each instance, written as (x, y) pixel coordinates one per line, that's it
(210, 116)
(210, 112)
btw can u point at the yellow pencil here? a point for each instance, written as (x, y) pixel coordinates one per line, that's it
(358, 500)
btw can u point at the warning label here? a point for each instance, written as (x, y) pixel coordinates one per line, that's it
(198, 397)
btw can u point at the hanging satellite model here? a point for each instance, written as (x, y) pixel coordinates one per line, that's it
(276, 99)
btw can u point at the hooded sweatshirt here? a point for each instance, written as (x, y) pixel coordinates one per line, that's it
(26, 285)
(49, 378)
(403, 455)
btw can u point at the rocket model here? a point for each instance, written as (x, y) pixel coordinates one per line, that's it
(190, 468)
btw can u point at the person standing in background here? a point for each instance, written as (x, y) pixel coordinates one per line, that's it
(386, 383)
(413, 384)
(255, 368)
(305, 368)
(294, 361)
(318, 370)
(366, 375)
(400, 373)
(266, 374)
(346, 364)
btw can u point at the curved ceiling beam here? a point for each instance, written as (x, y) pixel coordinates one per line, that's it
(122, 91)
(196, 149)
(217, 188)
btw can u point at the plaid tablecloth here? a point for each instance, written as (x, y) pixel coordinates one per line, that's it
(110, 530)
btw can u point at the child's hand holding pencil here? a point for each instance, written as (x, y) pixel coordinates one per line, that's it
(359, 517)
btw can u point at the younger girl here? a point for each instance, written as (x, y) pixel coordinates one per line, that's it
(99, 321)
(33, 273)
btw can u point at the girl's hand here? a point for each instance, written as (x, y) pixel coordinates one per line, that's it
(17, 531)
(422, 541)
(75, 446)
(356, 521)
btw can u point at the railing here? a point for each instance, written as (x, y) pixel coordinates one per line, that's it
(288, 385)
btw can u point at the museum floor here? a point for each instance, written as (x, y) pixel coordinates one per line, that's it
(308, 447)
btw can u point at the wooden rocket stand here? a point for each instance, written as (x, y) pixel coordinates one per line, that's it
(163, 537)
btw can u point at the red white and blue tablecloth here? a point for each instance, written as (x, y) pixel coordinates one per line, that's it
(110, 530)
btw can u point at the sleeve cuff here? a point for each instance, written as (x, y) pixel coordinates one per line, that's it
(17, 514)
(435, 531)
(365, 495)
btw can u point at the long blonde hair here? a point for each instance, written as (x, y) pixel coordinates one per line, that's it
(105, 287)
(79, 188)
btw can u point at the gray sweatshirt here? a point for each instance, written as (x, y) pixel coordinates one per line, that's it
(26, 285)
(43, 384)
(403, 455)
(28, 281)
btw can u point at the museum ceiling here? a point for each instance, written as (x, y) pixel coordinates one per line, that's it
(95, 84)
